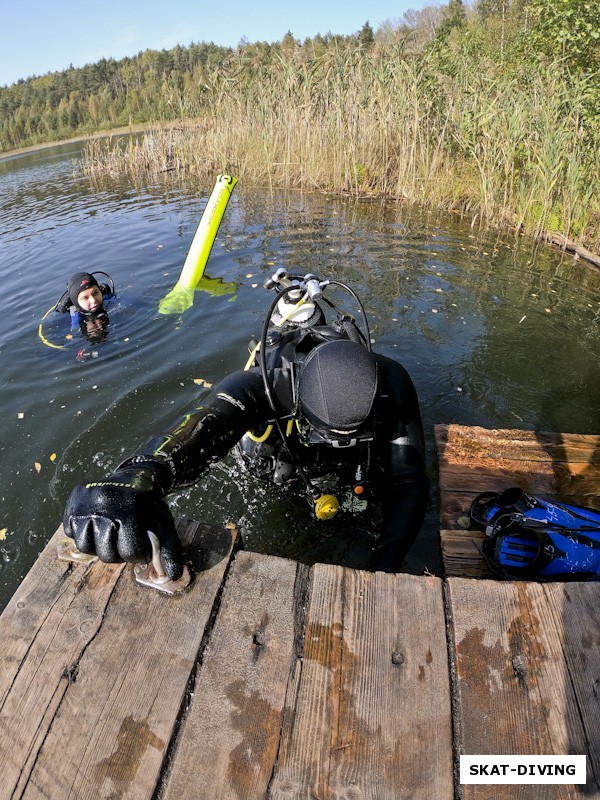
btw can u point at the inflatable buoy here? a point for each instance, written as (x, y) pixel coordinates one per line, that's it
(181, 295)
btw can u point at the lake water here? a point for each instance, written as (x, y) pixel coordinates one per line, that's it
(495, 332)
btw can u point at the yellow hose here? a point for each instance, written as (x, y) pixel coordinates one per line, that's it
(43, 338)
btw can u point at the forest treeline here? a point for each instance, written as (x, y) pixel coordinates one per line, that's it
(491, 108)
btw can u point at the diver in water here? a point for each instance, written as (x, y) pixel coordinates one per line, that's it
(314, 405)
(84, 299)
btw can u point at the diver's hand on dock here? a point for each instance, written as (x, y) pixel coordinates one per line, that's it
(111, 519)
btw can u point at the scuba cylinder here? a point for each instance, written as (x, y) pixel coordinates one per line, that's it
(528, 537)
(295, 315)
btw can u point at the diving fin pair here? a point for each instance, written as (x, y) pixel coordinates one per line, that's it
(488, 507)
(532, 538)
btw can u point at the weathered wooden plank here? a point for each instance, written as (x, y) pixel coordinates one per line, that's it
(473, 460)
(230, 735)
(311, 718)
(369, 710)
(109, 680)
(50, 620)
(456, 443)
(526, 660)
(394, 729)
(536, 477)
(461, 554)
(578, 605)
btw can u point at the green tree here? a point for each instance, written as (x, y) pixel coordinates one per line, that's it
(366, 37)
(569, 29)
(454, 16)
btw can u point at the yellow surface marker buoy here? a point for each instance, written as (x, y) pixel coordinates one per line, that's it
(181, 295)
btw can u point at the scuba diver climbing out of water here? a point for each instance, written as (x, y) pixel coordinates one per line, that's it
(314, 405)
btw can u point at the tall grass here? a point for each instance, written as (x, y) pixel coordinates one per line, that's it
(503, 149)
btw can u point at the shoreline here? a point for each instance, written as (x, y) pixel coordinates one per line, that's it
(32, 148)
(553, 238)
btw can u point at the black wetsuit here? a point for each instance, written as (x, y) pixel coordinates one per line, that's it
(389, 465)
(385, 456)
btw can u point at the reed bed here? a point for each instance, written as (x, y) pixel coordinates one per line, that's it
(505, 149)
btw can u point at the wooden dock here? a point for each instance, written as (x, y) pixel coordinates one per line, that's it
(270, 679)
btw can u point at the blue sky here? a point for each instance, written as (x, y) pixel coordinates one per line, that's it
(40, 36)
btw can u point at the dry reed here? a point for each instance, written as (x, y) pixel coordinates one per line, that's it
(499, 148)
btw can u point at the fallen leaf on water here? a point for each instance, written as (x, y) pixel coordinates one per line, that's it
(3, 532)
(37, 466)
(202, 382)
(53, 457)
(69, 336)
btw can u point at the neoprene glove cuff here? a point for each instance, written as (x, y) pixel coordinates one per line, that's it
(159, 471)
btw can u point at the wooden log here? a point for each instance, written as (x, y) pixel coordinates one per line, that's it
(230, 736)
(368, 712)
(572, 247)
(89, 706)
(526, 659)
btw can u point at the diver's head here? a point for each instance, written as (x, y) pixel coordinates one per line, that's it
(85, 293)
(336, 392)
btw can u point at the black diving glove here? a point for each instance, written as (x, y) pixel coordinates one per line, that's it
(111, 518)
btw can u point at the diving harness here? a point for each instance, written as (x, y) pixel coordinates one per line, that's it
(530, 538)
(295, 317)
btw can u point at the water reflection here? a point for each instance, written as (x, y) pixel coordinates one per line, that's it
(494, 332)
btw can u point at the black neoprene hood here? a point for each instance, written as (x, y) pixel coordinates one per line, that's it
(78, 283)
(338, 385)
